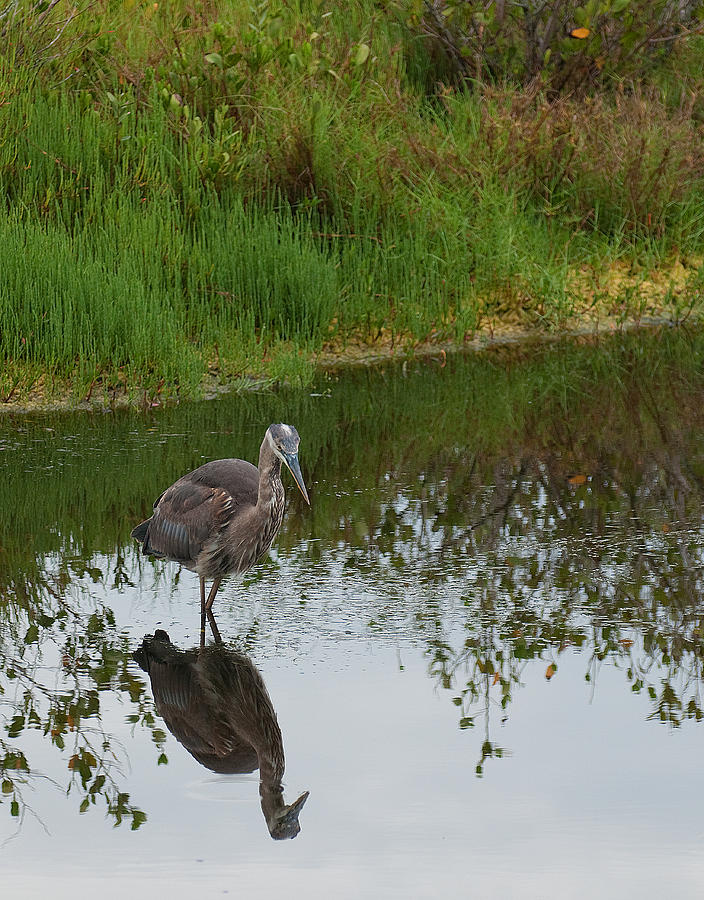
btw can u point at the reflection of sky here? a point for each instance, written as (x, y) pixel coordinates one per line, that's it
(593, 799)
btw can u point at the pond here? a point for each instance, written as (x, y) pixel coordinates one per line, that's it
(483, 641)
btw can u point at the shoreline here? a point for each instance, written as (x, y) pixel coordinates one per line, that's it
(353, 355)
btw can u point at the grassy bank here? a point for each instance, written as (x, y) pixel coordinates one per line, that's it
(236, 189)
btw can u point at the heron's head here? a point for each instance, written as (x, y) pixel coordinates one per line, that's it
(283, 821)
(284, 441)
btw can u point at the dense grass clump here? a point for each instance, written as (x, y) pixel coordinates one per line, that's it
(233, 187)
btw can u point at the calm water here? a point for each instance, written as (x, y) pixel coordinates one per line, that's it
(483, 641)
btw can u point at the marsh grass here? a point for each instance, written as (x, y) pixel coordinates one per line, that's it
(192, 188)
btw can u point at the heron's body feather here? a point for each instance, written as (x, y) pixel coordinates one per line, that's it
(222, 517)
(215, 703)
(206, 520)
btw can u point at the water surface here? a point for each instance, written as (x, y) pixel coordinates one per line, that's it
(483, 641)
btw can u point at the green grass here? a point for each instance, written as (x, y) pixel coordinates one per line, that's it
(199, 187)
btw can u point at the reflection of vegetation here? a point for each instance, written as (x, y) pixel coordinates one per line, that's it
(484, 673)
(56, 664)
(604, 563)
(561, 490)
(568, 398)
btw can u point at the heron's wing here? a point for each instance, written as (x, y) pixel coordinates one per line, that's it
(236, 476)
(201, 728)
(198, 506)
(180, 702)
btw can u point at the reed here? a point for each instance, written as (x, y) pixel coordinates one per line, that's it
(219, 189)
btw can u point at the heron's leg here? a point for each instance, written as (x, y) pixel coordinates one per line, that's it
(211, 595)
(214, 627)
(202, 612)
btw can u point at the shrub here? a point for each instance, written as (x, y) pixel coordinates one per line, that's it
(568, 43)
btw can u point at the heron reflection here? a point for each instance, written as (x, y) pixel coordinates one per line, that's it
(214, 702)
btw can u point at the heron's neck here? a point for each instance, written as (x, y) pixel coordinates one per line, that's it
(271, 773)
(269, 474)
(271, 795)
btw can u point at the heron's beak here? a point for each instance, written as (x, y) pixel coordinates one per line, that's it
(291, 460)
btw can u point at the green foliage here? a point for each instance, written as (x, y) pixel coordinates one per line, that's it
(227, 188)
(568, 44)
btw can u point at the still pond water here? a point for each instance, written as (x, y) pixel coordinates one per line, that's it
(483, 641)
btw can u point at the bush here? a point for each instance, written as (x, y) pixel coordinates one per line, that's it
(567, 43)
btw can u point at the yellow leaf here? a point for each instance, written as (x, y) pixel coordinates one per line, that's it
(580, 33)
(550, 671)
(578, 479)
(496, 678)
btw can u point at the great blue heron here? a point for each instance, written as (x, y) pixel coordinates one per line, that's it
(223, 517)
(214, 702)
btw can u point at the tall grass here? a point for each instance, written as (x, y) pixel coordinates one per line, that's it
(191, 186)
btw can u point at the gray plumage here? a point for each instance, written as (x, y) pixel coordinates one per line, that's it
(223, 517)
(216, 705)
